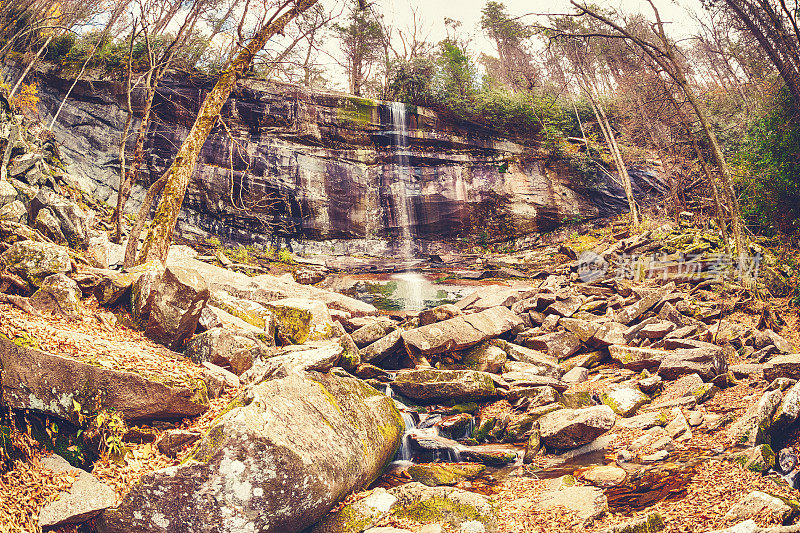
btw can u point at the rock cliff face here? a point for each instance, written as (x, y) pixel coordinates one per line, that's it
(347, 172)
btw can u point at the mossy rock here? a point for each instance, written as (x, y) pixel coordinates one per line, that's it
(436, 474)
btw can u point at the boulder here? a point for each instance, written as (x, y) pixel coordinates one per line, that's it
(533, 361)
(73, 221)
(175, 304)
(47, 223)
(276, 463)
(484, 357)
(637, 359)
(460, 332)
(754, 425)
(576, 374)
(142, 289)
(236, 350)
(382, 348)
(218, 380)
(34, 261)
(604, 476)
(586, 502)
(782, 366)
(789, 409)
(58, 295)
(320, 356)
(435, 474)
(460, 510)
(608, 334)
(248, 311)
(560, 345)
(7, 193)
(583, 329)
(441, 385)
(760, 505)
(566, 307)
(571, 428)
(14, 212)
(301, 320)
(85, 499)
(770, 338)
(706, 362)
(361, 513)
(48, 383)
(173, 440)
(624, 401)
(374, 331)
(630, 313)
(437, 314)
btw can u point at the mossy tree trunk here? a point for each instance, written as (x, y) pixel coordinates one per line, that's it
(159, 234)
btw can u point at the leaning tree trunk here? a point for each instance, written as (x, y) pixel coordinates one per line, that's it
(159, 234)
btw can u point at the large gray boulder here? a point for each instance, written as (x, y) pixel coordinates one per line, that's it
(174, 305)
(40, 381)
(320, 356)
(34, 261)
(73, 220)
(571, 428)
(59, 295)
(438, 385)
(707, 362)
(277, 463)
(460, 332)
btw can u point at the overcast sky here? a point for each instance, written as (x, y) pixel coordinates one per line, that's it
(433, 13)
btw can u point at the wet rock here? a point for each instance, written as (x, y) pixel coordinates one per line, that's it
(439, 385)
(37, 380)
(489, 457)
(435, 474)
(301, 320)
(624, 401)
(175, 303)
(236, 350)
(570, 428)
(277, 428)
(34, 261)
(460, 332)
(58, 295)
(85, 499)
(560, 344)
(604, 476)
(760, 505)
(173, 440)
(782, 366)
(753, 427)
(707, 362)
(437, 314)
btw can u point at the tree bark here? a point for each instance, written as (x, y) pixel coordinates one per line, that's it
(159, 235)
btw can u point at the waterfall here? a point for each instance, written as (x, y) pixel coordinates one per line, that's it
(402, 183)
(405, 217)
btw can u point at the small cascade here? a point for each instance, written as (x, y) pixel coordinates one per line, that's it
(421, 441)
(404, 453)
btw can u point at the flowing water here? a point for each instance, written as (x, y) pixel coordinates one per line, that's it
(402, 184)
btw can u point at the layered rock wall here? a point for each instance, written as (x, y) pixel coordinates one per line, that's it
(325, 167)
